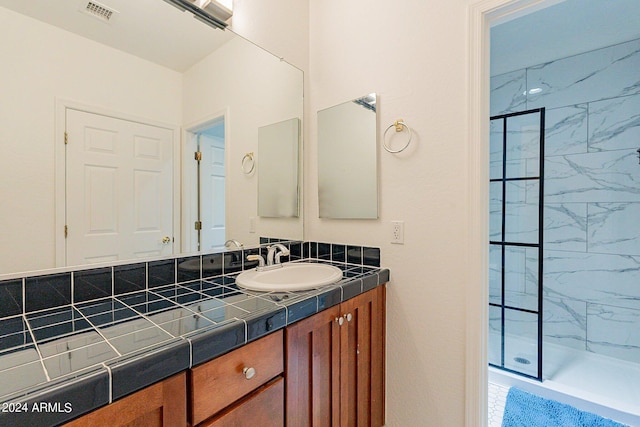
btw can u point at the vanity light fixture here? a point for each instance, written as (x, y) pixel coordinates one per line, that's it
(211, 12)
(221, 9)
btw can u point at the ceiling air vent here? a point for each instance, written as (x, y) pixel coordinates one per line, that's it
(100, 11)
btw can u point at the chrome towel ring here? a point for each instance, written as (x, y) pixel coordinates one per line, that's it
(399, 126)
(248, 163)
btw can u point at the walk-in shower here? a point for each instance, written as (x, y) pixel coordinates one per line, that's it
(565, 200)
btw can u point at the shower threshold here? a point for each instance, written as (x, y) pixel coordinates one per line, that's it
(591, 382)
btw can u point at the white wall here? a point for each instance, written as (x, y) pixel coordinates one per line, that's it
(414, 55)
(41, 64)
(280, 26)
(254, 90)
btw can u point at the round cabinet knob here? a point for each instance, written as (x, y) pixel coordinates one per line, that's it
(340, 320)
(249, 373)
(348, 316)
(166, 240)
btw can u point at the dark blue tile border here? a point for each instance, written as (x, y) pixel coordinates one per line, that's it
(40, 293)
(296, 250)
(136, 372)
(78, 397)
(44, 292)
(11, 298)
(338, 253)
(369, 282)
(232, 261)
(300, 309)
(129, 278)
(161, 273)
(371, 256)
(351, 289)
(354, 254)
(216, 341)
(324, 251)
(189, 268)
(329, 298)
(262, 324)
(211, 265)
(92, 284)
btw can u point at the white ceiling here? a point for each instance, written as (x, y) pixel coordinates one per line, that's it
(150, 29)
(560, 30)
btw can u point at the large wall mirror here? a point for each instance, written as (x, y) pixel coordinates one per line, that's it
(128, 134)
(348, 160)
(278, 175)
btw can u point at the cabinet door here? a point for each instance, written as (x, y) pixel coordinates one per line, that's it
(362, 360)
(313, 370)
(264, 408)
(161, 405)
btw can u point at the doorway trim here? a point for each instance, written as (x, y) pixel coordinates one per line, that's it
(60, 167)
(189, 192)
(482, 14)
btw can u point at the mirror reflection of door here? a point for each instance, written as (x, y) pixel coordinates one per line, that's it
(119, 189)
(211, 187)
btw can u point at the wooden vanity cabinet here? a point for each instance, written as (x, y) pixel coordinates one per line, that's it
(335, 365)
(243, 385)
(334, 377)
(263, 408)
(163, 404)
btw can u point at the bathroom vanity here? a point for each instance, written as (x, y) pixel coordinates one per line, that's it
(333, 370)
(201, 351)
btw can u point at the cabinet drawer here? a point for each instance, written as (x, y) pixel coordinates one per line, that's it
(264, 408)
(220, 382)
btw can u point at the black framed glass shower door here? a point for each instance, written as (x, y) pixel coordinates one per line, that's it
(516, 242)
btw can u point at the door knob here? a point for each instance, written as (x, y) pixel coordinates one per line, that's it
(340, 320)
(166, 240)
(348, 316)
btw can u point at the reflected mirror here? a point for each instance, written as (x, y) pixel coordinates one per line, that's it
(127, 135)
(278, 176)
(348, 160)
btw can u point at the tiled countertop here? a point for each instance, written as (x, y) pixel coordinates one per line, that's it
(59, 363)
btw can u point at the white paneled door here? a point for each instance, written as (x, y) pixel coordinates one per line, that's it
(212, 177)
(119, 189)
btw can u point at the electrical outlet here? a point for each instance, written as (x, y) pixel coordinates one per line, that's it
(397, 230)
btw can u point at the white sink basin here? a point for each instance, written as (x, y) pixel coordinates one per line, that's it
(290, 277)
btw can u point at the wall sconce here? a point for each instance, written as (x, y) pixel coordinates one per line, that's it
(211, 12)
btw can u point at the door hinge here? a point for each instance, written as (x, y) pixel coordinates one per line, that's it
(198, 225)
(198, 155)
(66, 138)
(66, 231)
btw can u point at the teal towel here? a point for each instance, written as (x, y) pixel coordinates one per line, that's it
(528, 410)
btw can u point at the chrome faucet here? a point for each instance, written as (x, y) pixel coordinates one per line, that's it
(258, 258)
(273, 256)
(230, 242)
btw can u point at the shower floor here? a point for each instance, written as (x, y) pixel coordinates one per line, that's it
(591, 382)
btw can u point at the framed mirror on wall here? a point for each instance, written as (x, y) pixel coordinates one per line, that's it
(348, 160)
(152, 66)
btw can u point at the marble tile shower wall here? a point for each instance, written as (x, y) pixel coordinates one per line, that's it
(592, 195)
